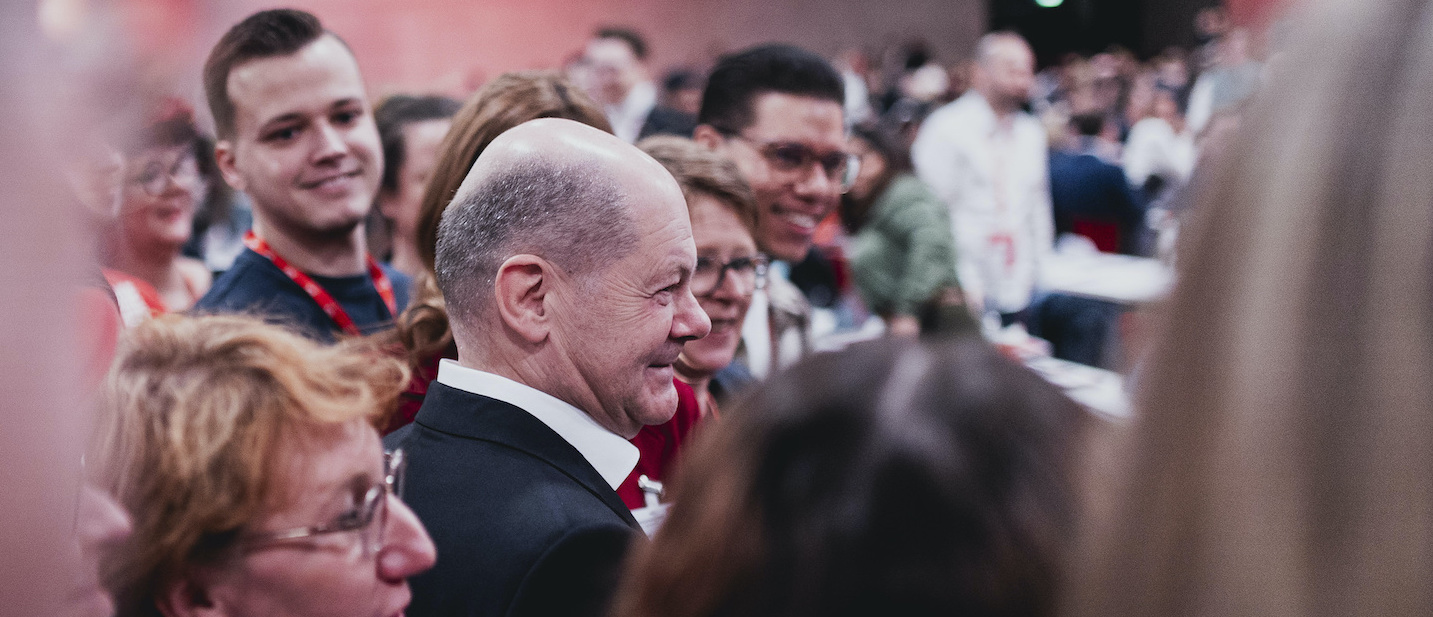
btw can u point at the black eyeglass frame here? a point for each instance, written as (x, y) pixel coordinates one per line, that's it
(844, 176)
(760, 265)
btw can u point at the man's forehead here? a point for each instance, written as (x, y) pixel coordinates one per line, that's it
(782, 116)
(317, 75)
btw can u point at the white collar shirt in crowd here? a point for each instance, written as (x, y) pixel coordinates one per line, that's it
(995, 179)
(612, 456)
(628, 116)
(1154, 149)
(775, 333)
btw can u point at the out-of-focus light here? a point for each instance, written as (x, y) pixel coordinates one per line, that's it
(1049, 4)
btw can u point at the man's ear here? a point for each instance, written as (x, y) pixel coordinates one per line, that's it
(224, 158)
(521, 293)
(186, 597)
(708, 137)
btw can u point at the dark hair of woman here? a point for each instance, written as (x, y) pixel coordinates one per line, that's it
(892, 478)
(893, 150)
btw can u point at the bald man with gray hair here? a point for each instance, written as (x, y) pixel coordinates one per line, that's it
(565, 260)
(986, 158)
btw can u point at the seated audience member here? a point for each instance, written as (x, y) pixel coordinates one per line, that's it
(162, 187)
(411, 129)
(295, 133)
(616, 63)
(247, 457)
(1159, 154)
(729, 268)
(505, 102)
(776, 111)
(1278, 460)
(1089, 196)
(566, 260)
(682, 91)
(892, 478)
(902, 256)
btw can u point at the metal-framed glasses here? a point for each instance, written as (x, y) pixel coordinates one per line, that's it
(154, 177)
(748, 272)
(839, 166)
(368, 514)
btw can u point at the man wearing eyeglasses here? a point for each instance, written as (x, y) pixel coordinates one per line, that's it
(776, 111)
(986, 158)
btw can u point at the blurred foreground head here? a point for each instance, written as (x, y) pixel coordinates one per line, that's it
(893, 478)
(256, 482)
(1280, 462)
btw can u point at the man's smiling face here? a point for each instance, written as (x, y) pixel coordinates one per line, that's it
(305, 147)
(789, 203)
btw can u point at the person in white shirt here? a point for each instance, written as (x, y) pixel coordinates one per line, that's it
(1159, 145)
(987, 159)
(566, 260)
(616, 60)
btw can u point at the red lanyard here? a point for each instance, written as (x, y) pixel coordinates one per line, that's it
(319, 294)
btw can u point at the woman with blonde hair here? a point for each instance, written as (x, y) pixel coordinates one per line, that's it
(247, 456)
(1279, 463)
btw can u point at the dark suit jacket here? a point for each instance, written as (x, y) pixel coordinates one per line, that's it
(524, 525)
(1083, 187)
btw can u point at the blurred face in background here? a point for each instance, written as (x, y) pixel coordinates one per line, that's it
(1008, 73)
(162, 188)
(100, 525)
(613, 69)
(420, 156)
(721, 238)
(324, 475)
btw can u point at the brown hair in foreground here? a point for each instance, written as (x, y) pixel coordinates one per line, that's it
(505, 102)
(700, 171)
(893, 478)
(1279, 463)
(191, 419)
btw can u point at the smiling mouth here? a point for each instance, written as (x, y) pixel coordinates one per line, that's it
(333, 179)
(802, 221)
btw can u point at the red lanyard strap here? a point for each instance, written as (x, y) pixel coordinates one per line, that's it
(319, 294)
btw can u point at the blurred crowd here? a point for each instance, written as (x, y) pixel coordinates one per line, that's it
(770, 336)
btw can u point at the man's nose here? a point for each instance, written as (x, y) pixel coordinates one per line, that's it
(407, 550)
(331, 142)
(690, 322)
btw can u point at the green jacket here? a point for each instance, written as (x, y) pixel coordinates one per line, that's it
(904, 254)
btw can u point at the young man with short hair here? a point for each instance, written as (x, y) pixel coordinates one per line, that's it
(296, 133)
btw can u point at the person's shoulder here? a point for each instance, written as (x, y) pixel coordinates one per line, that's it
(250, 280)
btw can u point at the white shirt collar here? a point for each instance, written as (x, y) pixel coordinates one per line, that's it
(612, 456)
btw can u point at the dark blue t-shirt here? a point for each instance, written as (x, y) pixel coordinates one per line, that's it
(254, 285)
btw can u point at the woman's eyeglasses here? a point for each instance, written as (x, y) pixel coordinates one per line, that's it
(748, 272)
(370, 507)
